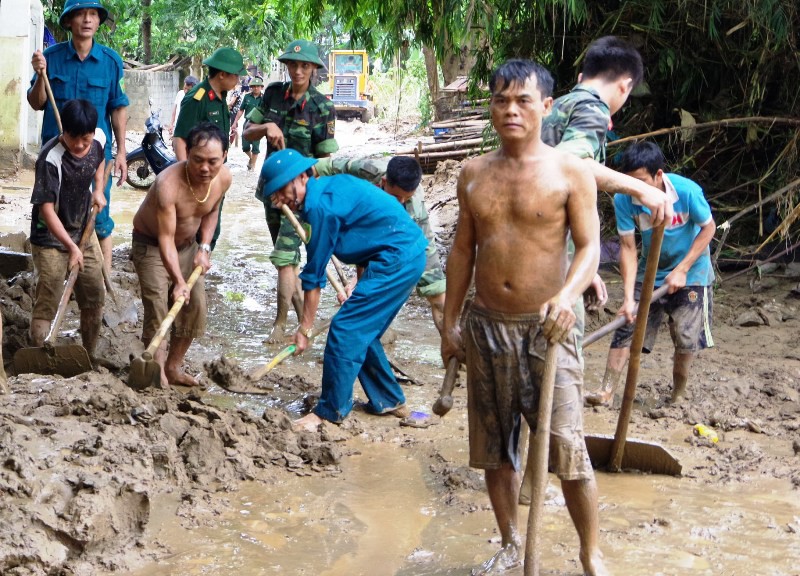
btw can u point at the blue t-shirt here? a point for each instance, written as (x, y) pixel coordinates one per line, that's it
(360, 224)
(691, 212)
(97, 78)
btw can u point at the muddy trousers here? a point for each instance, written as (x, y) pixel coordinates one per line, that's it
(354, 348)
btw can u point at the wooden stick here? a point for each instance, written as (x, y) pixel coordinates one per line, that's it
(302, 233)
(52, 100)
(651, 268)
(707, 125)
(167, 322)
(537, 461)
(760, 262)
(618, 322)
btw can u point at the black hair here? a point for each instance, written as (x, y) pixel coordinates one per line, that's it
(612, 58)
(518, 71)
(642, 155)
(404, 172)
(78, 117)
(213, 71)
(204, 132)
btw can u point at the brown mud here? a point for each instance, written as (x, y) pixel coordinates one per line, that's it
(96, 478)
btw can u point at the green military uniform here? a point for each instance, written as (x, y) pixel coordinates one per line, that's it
(250, 103)
(432, 282)
(202, 104)
(308, 126)
(577, 124)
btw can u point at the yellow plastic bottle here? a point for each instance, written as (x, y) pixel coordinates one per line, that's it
(706, 432)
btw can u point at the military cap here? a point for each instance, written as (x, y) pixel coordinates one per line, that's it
(73, 5)
(302, 51)
(228, 60)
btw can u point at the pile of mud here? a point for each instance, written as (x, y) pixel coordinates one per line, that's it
(442, 202)
(84, 457)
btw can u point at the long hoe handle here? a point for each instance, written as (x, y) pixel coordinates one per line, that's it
(302, 233)
(73, 276)
(261, 371)
(445, 401)
(167, 322)
(52, 100)
(618, 322)
(537, 461)
(651, 267)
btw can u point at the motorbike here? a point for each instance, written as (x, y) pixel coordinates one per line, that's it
(152, 156)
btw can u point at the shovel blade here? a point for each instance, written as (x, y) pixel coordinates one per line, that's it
(638, 455)
(144, 373)
(68, 360)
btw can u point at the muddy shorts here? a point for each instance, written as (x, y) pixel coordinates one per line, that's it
(157, 287)
(247, 145)
(689, 312)
(285, 241)
(51, 266)
(505, 362)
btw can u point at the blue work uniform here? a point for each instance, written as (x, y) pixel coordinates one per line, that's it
(361, 225)
(97, 78)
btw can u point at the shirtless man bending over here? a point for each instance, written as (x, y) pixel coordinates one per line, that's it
(516, 205)
(184, 198)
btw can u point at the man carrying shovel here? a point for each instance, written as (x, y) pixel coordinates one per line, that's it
(684, 265)
(516, 206)
(67, 169)
(351, 219)
(183, 201)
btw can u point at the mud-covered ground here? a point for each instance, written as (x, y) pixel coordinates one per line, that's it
(97, 478)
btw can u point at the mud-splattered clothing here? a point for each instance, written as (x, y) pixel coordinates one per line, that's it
(505, 363)
(432, 282)
(349, 218)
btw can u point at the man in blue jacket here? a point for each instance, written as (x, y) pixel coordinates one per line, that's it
(82, 68)
(361, 225)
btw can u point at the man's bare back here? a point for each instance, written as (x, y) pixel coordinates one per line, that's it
(170, 195)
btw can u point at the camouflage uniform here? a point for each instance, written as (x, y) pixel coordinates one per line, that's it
(249, 103)
(577, 124)
(432, 281)
(308, 126)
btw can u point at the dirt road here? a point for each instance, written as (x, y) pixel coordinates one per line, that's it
(96, 478)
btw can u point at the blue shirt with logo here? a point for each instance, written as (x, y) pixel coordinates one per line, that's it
(97, 78)
(691, 213)
(358, 223)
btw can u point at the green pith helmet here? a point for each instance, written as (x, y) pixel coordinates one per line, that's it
(302, 51)
(228, 60)
(281, 168)
(256, 82)
(73, 5)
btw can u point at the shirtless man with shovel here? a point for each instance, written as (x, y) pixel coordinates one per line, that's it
(516, 206)
(184, 198)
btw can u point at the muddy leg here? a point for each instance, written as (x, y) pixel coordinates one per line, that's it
(680, 374)
(503, 487)
(581, 499)
(38, 331)
(91, 320)
(437, 311)
(172, 368)
(617, 358)
(287, 286)
(160, 356)
(106, 246)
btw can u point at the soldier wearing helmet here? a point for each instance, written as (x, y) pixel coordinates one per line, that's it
(80, 68)
(292, 115)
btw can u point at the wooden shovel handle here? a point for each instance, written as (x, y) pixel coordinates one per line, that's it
(618, 322)
(261, 371)
(537, 461)
(176, 307)
(302, 233)
(73, 276)
(52, 100)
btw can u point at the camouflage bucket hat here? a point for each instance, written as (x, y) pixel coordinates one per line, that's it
(228, 60)
(73, 5)
(302, 51)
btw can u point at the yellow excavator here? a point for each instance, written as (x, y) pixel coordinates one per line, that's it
(348, 71)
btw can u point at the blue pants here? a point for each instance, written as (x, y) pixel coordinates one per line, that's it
(103, 224)
(354, 346)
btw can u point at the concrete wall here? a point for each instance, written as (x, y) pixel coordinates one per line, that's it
(21, 31)
(141, 85)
